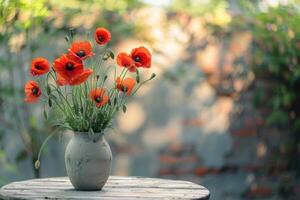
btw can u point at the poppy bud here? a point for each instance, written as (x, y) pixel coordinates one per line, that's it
(67, 38)
(72, 32)
(152, 76)
(124, 108)
(105, 77)
(37, 164)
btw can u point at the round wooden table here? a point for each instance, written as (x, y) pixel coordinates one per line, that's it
(116, 188)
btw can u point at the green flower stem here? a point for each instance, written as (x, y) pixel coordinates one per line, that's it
(61, 96)
(81, 113)
(142, 83)
(42, 147)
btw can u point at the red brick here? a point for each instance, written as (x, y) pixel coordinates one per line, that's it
(193, 122)
(128, 150)
(168, 159)
(181, 171)
(175, 147)
(251, 121)
(190, 159)
(165, 171)
(259, 191)
(201, 171)
(244, 132)
(251, 167)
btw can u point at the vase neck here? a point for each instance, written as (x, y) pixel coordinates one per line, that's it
(87, 136)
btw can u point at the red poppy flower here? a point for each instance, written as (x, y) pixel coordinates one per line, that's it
(125, 60)
(81, 50)
(102, 36)
(82, 77)
(98, 95)
(141, 57)
(126, 85)
(61, 81)
(32, 92)
(70, 71)
(39, 66)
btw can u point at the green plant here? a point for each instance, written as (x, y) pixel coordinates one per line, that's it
(77, 88)
(276, 62)
(22, 24)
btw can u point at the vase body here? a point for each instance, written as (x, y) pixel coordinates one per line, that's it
(88, 161)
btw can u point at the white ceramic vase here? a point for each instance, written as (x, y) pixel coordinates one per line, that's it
(88, 161)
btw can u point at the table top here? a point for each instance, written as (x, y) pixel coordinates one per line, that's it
(116, 188)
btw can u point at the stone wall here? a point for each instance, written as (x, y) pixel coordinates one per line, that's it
(197, 120)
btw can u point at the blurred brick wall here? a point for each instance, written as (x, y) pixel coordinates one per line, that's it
(197, 120)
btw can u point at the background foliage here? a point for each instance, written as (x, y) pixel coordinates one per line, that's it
(276, 58)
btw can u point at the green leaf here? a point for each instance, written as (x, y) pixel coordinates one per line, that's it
(22, 155)
(53, 96)
(50, 102)
(115, 101)
(33, 121)
(278, 117)
(2, 154)
(48, 89)
(124, 108)
(258, 96)
(296, 125)
(112, 55)
(45, 115)
(10, 167)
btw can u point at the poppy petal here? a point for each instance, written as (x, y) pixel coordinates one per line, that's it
(126, 85)
(104, 101)
(99, 93)
(80, 50)
(124, 60)
(80, 78)
(31, 99)
(61, 81)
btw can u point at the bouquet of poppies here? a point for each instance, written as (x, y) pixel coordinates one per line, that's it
(84, 92)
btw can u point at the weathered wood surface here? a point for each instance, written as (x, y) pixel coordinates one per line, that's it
(116, 188)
